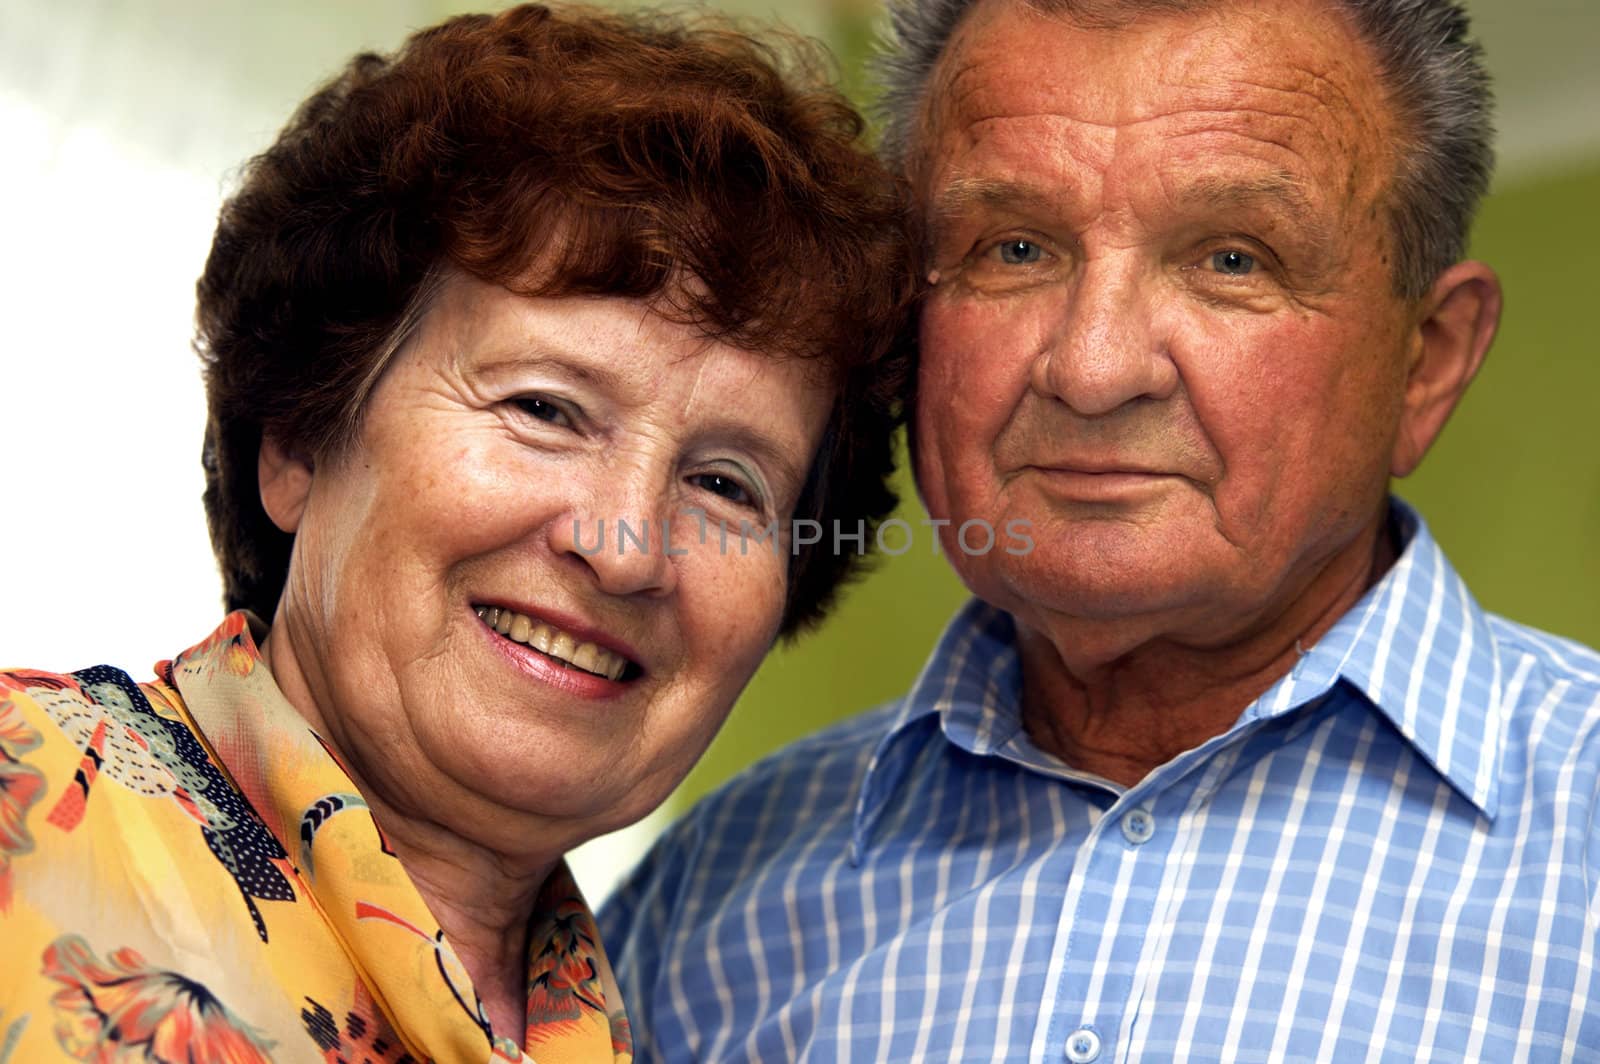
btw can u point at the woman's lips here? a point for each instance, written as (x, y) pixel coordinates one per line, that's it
(559, 644)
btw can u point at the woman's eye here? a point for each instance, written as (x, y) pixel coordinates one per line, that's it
(1232, 262)
(1019, 252)
(541, 409)
(724, 486)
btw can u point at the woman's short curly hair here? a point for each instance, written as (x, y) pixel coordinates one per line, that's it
(623, 154)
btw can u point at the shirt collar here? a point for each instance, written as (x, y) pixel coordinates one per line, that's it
(1416, 646)
(971, 685)
(1419, 649)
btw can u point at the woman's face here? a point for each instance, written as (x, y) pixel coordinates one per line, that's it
(497, 445)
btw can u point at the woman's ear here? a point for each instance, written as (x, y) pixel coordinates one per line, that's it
(285, 479)
(1458, 322)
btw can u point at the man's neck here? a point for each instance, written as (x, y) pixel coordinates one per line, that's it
(1126, 712)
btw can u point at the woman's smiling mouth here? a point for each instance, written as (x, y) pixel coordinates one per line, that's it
(561, 646)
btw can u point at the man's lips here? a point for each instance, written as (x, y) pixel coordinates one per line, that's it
(1098, 467)
(1102, 481)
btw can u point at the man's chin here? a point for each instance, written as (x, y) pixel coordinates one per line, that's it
(1126, 593)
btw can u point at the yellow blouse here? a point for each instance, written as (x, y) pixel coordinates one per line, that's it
(187, 875)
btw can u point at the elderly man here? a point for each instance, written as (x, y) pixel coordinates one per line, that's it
(1230, 766)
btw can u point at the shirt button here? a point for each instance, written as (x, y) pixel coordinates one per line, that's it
(1138, 827)
(1083, 1045)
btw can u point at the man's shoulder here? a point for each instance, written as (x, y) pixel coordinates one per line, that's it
(795, 805)
(824, 767)
(1557, 658)
(804, 804)
(1548, 677)
(1550, 703)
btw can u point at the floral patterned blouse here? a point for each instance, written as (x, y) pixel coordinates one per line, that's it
(188, 876)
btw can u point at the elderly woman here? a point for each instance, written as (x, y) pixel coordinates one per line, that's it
(523, 350)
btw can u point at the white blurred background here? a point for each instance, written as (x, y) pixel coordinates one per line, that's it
(122, 123)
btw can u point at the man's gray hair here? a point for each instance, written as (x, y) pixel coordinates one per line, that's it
(1433, 72)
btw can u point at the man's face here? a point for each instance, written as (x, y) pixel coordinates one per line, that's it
(1163, 329)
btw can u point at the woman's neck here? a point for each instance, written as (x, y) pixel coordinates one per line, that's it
(483, 904)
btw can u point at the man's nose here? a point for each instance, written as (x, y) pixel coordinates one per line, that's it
(1105, 349)
(624, 538)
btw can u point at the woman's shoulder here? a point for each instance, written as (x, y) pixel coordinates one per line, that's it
(107, 781)
(99, 711)
(96, 732)
(120, 848)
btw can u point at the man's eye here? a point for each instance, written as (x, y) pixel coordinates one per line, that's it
(1232, 262)
(1019, 252)
(541, 409)
(725, 486)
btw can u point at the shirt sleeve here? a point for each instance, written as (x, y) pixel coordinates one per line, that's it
(1591, 854)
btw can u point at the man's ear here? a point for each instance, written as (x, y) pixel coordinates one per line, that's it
(1458, 320)
(285, 479)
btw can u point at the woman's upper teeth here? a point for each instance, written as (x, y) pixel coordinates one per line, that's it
(550, 640)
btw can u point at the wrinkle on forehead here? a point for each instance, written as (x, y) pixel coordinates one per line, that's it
(693, 397)
(1288, 84)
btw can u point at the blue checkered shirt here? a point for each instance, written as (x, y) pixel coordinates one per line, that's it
(1393, 855)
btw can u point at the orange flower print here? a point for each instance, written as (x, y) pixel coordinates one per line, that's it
(563, 978)
(20, 787)
(565, 981)
(126, 1011)
(563, 970)
(27, 679)
(225, 648)
(17, 736)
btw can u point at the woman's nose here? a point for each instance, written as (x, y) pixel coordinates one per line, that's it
(628, 543)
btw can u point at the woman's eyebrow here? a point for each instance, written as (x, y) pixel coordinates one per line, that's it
(578, 369)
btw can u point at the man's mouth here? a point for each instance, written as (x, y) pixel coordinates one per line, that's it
(561, 647)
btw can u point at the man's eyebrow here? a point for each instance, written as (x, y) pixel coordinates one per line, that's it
(963, 194)
(1281, 187)
(1281, 191)
(966, 192)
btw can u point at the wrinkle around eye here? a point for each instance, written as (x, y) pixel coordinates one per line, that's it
(986, 269)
